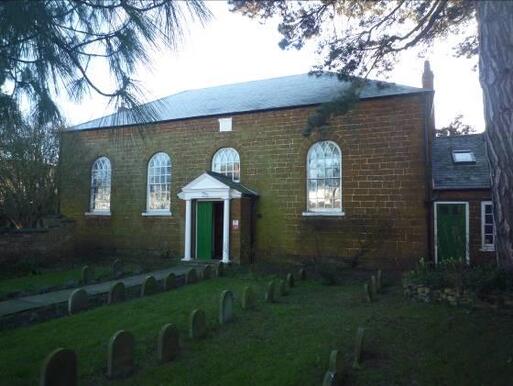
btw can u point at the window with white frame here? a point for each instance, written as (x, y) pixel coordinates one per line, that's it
(159, 183)
(226, 161)
(100, 185)
(487, 226)
(324, 178)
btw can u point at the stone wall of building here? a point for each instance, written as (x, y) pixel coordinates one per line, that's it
(383, 182)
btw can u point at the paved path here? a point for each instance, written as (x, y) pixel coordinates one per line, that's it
(13, 306)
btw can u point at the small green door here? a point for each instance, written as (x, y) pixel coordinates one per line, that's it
(451, 227)
(204, 230)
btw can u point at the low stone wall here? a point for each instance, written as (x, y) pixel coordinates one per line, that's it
(456, 297)
(40, 245)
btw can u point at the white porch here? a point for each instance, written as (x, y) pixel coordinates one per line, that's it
(209, 186)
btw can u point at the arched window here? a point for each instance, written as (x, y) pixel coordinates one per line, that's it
(100, 185)
(226, 161)
(324, 185)
(159, 183)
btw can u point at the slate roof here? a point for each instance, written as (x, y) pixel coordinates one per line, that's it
(234, 185)
(448, 175)
(288, 91)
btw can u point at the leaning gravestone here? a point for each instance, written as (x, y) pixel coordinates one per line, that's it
(85, 275)
(219, 269)
(191, 276)
(117, 268)
(379, 280)
(373, 287)
(149, 286)
(59, 369)
(283, 288)
(290, 280)
(358, 348)
(248, 299)
(336, 363)
(367, 293)
(170, 282)
(226, 307)
(168, 345)
(269, 292)
(117, 293)
(120, 356)
(78, 301)
(331, 378)
(197, 324)
(206, 272)
(302, 274)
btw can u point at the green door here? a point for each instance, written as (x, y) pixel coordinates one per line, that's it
(451, 227)
(204, 230)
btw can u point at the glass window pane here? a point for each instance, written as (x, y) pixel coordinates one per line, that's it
(323, 171)
(159, 182)
(226, 161)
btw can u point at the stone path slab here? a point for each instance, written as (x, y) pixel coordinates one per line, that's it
(13, 306)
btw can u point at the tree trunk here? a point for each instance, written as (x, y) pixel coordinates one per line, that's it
(496, 75)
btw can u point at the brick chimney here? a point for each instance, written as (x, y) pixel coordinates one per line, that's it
(427, 76)
(428, 83)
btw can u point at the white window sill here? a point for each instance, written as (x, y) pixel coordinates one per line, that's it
(487, 249)
(157, 214)
(324, 214)
(98, 213)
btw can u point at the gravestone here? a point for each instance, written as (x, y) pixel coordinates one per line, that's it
(336, 362)
(367, 293)
(219, 269)
(117, 293)
(170, 282)
(78, 301)
(302, 274)
(226, 307)
(120, 356)
(284, 291)
(373, 287)
(331, 378)
(86, 275)
(206, 272)
(117, 268)
(168, 345)
(358, 347)
(59, 369)
(248, 298)
(191, 276)
(197, 324)
(149, 286)
(269, 292)
(290, 280)
(379, 280)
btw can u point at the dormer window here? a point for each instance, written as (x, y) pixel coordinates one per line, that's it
(463, 157)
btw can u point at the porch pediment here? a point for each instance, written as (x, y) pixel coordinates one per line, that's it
(211, 185)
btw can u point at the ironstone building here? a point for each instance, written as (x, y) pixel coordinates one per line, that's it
(227, 173)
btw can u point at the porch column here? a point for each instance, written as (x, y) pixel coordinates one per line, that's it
(226, 231)
(187, 246)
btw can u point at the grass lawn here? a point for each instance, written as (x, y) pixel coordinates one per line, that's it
(33, 283)
(286, 343)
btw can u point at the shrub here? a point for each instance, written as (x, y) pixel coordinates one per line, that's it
(481, 279)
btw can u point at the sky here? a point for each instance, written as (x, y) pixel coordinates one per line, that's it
(232, 48)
